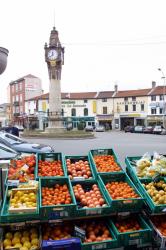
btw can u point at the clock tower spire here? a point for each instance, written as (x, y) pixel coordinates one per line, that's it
(54, 57)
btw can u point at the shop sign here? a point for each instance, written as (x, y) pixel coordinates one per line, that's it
(132, 102)
(68, 102)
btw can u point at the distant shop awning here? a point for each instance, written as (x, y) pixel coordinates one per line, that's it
(154, 118)
(104, 117)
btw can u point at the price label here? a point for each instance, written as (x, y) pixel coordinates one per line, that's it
(99, 246)
(124, 214)
(13, 183)
(32, 222)
(93, 212)
(79, 232)
(79, 178)
(134, 242)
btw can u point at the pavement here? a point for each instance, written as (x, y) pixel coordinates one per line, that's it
(124, 144)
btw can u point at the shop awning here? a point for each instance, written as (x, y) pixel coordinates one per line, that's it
(104, 117)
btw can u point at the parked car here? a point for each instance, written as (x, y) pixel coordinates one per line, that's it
(100, 128)
(7, 153)
(20, 145)
(148, 130)
(138, 129)
(157, 130)
(89, 128)
(129, 129)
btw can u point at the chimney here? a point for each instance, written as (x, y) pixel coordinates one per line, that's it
(116, 88)
(153, 84)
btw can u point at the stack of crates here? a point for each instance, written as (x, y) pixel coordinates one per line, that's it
(152, 210)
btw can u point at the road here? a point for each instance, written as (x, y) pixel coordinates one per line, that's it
(123, 143)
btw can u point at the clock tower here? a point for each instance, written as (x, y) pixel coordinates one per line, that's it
(54, 57)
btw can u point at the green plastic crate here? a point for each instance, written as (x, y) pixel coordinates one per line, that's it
(77, 158)
(107, 244)
(7, 217)
(52, 157)
(56, 211)
(122, 205)
(82, 212)
(151, 205)
(130, 169)
(139, 237)
(104, 151)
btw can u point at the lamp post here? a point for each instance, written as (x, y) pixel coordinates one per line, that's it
(163, 77)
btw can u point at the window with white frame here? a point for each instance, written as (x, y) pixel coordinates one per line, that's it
(153, 111)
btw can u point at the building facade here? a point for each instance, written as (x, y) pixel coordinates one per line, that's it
(113, 109)
(4, 114)
(19, 91)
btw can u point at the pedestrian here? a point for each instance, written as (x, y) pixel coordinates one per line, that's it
(12, 129)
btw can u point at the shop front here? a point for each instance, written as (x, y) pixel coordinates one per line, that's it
(132, 120)
(75, 120)
(105, 120)
(154, 120)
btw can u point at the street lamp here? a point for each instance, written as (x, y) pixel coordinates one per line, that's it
(163, 77)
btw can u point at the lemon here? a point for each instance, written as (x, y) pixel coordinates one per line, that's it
(23, 248)
(18, 245)
(35, 242)
(15, 240)
(24, 239)
(27, 244)
(8, 235)
(34, 236)
(25, 233)
(7, 242)
(17, 234)
(34, 247)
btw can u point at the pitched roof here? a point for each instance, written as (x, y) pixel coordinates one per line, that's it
(105, 94)
(22, 78)
(159, 90)
(73, 96)
(129, 93)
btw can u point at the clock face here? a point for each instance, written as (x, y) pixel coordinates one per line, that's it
(52, 54)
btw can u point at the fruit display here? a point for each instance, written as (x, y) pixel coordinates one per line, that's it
(120, 190)
(95, 231)
(78, 168)
(22, 169)
(157, 191)
(57, 232)
(56, 195)
(145, 167)
(106, 163)
(23, 200)
(50, 168)
(89, 197)
(24, 239)
(128, 225)
(160, 223)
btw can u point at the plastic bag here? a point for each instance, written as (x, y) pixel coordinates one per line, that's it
(143, 164)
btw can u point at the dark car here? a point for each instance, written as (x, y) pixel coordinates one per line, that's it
(21, 145)
(148, 130)
(7, 153)
(129, 129)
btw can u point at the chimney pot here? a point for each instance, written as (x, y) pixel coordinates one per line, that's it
(153, 84)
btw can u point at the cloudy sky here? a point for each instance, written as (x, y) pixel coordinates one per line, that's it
(107, 42)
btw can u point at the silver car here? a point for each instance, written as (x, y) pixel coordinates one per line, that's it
(100, 128)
